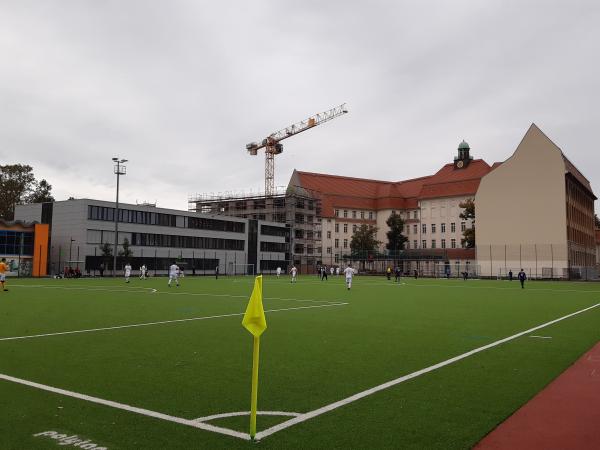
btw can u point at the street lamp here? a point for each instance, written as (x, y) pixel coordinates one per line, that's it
(120, 169)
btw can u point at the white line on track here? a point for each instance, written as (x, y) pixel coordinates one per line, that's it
(122, 406)
(317, 412)
(298, 419)
(13, 338)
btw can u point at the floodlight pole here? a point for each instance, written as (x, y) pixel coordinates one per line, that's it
(120, 169)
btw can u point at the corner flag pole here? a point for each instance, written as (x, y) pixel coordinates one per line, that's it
(254, 395)
(254, 321)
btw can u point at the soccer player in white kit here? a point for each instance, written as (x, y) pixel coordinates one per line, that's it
(127, 270)
(337, 271)
(278, 271)
(293, 272)
(174, 274)
(143, 272)
(349, 272)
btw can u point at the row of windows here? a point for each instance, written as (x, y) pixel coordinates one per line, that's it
(16, 243)
(433, 244)
(280, 247)
(356, 214)
(165, 220)
(168, 240)
(433, 228)
(270, 230)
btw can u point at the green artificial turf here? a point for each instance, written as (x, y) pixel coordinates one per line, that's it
(314, 352)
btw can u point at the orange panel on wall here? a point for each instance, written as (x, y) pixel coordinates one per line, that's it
(40, 250)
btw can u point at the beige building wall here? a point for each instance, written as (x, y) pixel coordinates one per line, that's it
(438, 211)
(521, 210)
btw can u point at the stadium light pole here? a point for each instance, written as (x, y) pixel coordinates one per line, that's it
(120, 169)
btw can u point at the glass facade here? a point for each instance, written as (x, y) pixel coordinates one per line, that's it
(164, 220)
(16, 243)
(174, 241)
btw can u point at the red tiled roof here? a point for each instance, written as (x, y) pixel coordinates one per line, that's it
(347, 192)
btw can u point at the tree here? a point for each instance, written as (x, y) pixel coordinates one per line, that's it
(106, 250)
(364, 240)
(597, 221)
(395, 237)
(18, 185)
(468, 213)
(126, 252)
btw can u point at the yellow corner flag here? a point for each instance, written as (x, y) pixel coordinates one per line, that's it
(254, 321)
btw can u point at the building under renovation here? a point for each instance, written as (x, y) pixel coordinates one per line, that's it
(296, 207)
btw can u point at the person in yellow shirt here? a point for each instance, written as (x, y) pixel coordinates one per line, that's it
(3, 269)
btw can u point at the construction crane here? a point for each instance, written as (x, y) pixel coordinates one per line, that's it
(273, 146)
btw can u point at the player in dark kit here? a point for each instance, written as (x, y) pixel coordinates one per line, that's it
(522, 277)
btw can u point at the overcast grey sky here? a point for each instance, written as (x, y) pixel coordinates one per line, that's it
(179, 87)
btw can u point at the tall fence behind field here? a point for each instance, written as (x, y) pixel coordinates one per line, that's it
(540, 261)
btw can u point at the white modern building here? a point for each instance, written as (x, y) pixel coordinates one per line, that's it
(157, 237)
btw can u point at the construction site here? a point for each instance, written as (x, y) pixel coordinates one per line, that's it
(298, 208)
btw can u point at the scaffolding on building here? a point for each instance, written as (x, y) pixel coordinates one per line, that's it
(298, 208)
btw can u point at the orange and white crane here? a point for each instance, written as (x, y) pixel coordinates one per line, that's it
(272, 143)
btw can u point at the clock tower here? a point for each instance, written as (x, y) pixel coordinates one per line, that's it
(463, 159)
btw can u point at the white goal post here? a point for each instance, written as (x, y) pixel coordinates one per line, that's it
(240, 269)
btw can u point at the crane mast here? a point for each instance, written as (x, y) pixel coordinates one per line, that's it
(273, 146)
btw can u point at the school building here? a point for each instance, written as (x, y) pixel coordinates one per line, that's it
(78, 229)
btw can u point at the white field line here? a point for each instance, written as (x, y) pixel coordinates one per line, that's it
(246, 413)
(132, 289)
(140, 290)
(146, 324)
(122, 406)
(541, 337)
(317, 412)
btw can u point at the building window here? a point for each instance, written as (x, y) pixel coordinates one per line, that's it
(345, 213)
(443, 243)
(354, 214)
(415, 243)
(415, 229)
(433, 227)
(337, 213)
(337, 258)
(337, 227)
(423, 243)
(329, 250)
(354, 228)
(345, 228)
(345, 243)
(414, 214)
(407, 245)
(443, 227)
(362, 214)
(336, 243)
(453, 243)
(452, 228)
(462, 226)
(370, 215)
(433, 243)
(329, 235)
(424, 229)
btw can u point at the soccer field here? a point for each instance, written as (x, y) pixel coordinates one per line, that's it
(416, 364)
